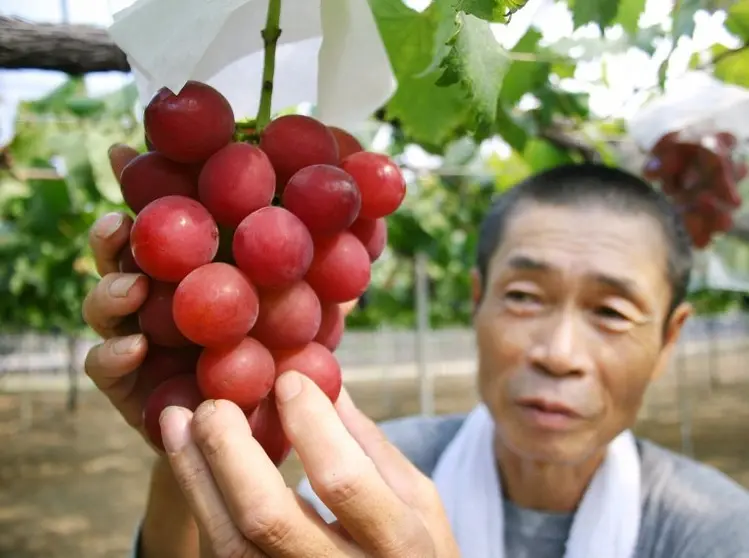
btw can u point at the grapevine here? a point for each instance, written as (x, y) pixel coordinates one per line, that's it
(253, 242)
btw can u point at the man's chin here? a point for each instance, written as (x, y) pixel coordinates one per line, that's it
(562, 448)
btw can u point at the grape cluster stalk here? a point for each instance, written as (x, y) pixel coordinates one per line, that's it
(251, 249)
(700, 177)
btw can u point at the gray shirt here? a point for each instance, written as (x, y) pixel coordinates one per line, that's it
(689, 510)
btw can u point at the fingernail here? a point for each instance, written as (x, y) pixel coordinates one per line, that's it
(288, 386)
(108, 225)
(113, 147)
(205, 410)
(175, 428)
(127, 345)
(122, 285)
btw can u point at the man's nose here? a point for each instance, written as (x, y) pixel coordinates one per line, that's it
(560, 348)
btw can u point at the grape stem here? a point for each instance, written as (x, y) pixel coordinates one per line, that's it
(270, 34)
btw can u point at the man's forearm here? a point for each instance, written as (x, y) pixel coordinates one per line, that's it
(168, 530)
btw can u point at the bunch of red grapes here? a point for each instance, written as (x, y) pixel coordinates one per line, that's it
(701, 178)
(250, 251)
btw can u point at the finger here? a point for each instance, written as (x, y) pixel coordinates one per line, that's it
(348, 307)
(108, 236)
(264, 509)
(111, 366)
(194, 476)
(410, 484)
(343, 476)
(119, 156)
(397, 471)
(115, 297)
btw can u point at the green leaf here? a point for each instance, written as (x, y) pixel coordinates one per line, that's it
(494, 11)
(511, 131)
(524, 77)
(629, 13)
(732, 68)
(737, 21)
(478, 63)
(414, 39)
(415, 42)
(602, 12)
(428, 114)
(542, 155)
(683, 18)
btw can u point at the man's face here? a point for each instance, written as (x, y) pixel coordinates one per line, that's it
(570, 329)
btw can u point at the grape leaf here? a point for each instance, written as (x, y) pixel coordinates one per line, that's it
(494, 11)
(428, 114)
(478, 63)
(733, 68)
(602, 12)
(415, 41)
(629, 14)
(737, 21)
(524, 76)
(683, 18)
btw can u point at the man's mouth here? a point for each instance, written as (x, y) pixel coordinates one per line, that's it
(547, 414)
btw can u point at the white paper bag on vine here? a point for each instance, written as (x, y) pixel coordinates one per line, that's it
(330, 53)
(695, 105)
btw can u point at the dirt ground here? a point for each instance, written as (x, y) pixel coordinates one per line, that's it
(73, 486)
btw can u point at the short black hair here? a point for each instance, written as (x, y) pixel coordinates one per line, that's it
(590, 183)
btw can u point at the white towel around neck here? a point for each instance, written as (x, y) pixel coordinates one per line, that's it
(607, 521)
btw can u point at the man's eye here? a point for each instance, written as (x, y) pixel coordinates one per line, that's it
(610, 313)
(520, 297)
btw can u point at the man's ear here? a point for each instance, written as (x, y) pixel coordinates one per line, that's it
(475, 288)
(671, 334)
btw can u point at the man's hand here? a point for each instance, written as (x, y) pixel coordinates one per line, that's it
(384, 505)
(109, 310)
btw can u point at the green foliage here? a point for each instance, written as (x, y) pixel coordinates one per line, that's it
(456, 87)
(45, 215)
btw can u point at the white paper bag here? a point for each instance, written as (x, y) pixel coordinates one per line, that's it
(330, 53)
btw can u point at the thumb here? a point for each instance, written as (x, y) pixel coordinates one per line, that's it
(119, 156)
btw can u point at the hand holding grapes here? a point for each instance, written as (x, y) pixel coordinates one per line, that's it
(384, 505)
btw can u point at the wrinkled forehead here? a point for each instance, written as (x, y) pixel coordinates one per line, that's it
(586, 241)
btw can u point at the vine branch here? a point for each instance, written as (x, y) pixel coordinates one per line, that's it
(271, 34)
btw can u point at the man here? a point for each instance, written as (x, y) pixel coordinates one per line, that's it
(579, 296)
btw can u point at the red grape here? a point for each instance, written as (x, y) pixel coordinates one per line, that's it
(191, 126)
(236, 181)
(273, 247)
(317, 363)
(151, 176)
(215, 305)
(373, 234)
(162, 363)
(347, 144)
(288, 318)
(172, 236)
(267, 429)
(179, 391)
(242, 373)
(380, 182)
(324, 197)
(155, 316)
(293, 142)
(340, 269)
(126, 262)
(331, 326)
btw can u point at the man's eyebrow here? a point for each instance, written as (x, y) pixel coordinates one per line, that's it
(620, 284)
(526, 263)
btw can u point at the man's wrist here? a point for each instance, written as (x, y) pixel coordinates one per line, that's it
(168, 528)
